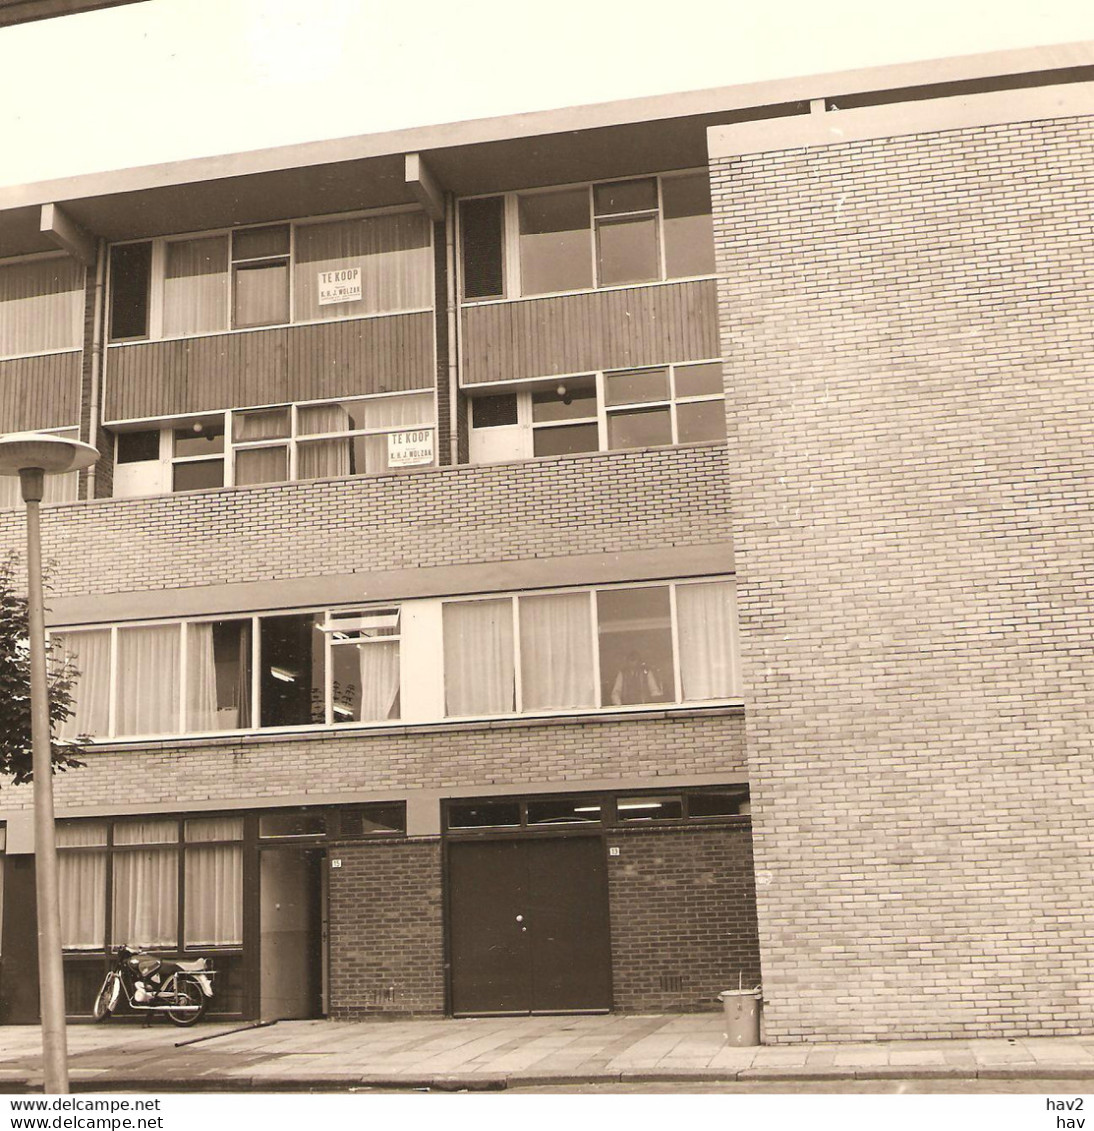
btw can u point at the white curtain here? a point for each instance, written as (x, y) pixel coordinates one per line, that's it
(324, 459)
(145, 890)
(201, 679)
(148, 680)
(82, 881)
(58, 488)
(90, 651)
(393, 254)
(556, 651)
(478, 657)
(707, 627)
(41, 305)
(379, 679)
(195, 286)
(214, 883)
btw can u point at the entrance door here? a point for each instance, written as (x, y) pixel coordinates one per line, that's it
(290, 922)
(528, 926)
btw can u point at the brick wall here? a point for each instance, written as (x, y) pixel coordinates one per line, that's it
(446, 516)
(683, 916)
(907, 328)
(386, 930)
(263, 769)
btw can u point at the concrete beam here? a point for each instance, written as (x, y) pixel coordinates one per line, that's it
(424, 186)
(66, 233)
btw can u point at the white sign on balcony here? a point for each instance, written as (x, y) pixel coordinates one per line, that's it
(410, 449)
(340, 286)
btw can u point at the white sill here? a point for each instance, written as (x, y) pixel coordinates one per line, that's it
(466, 303)
(338, 731)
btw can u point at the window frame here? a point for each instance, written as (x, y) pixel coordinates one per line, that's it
(676, 702)
(224, 419)
(431, 636)
(80, 290)
(510, 238)
(159, 264)
(524, 392)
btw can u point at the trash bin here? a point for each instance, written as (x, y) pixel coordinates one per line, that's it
(742, 1015)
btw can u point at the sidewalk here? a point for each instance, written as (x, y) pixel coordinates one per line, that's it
(497, 1053)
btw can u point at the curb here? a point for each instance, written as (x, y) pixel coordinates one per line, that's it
(499, 1082)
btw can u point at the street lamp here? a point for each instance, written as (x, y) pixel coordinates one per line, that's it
(32, 456)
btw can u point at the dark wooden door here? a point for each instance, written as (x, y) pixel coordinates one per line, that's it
(528, 926)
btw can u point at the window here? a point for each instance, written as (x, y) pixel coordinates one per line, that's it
(465, 817)
(58, 488)
(272, 275)
(41, 305)
(636, 408)
(356, 436)
(551, 652)
(610, 647)
(198, 676)
(615, 233)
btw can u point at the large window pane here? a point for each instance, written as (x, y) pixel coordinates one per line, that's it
(706, 615)
(130, 290)
(701, 420)
(389, 260)
(218, 685)
(689, 228)
(645, 428)
(145, 897)
(292, 687)
(566, 440)
(195, 286)
(555, 251)
(627, 250)
(82, 879)
(577, 401)
(41, 305)
(556, 651)
(261, 294)
(261, 465)
(481, 226)
(148, 679)
(90, 653)
(699, 380)
(366, 681)
(213, 914)
(478, 657)
(635, 637)
(636, 386)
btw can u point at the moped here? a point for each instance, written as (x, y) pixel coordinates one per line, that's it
(181, 988)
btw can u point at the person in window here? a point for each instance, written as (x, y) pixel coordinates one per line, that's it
(636, 682)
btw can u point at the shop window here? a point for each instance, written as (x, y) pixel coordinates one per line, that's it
(614, 233)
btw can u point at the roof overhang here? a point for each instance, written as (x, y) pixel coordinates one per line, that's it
(485, 155)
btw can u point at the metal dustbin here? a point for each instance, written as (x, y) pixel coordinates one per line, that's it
(742, 1015)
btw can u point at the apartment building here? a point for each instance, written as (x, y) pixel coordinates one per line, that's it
(584, 561)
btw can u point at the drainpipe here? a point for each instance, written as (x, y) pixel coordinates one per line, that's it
(96, 357)
(453, 327)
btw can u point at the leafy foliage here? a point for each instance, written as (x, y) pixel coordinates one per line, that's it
(16, 759)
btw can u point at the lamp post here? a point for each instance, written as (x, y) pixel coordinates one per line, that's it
(32, 456)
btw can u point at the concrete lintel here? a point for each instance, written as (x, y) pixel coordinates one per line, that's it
(66, 233)
(424, 185)
(840, 127)
(389, 585)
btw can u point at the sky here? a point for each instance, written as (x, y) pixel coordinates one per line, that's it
(166, 80)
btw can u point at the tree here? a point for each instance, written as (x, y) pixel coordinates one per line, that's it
(61, 673)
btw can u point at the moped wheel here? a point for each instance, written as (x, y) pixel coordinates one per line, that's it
(102, 1009)
(188, 992)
